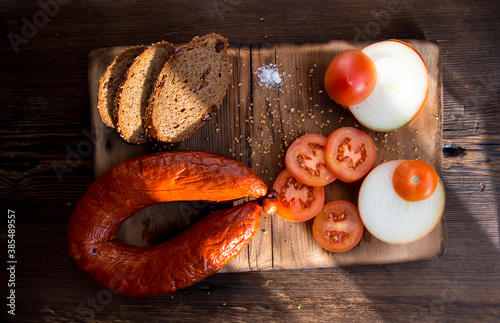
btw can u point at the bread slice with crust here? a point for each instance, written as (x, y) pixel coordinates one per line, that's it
(132, 97)
(189, 90)
(111, 81)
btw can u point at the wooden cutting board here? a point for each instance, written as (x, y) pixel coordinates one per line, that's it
(255, 124)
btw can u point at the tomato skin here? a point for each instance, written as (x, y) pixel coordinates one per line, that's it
(297, 202)
(351, 77)
(338, 227)
(342, 146)
(305, 159)
(415, 180)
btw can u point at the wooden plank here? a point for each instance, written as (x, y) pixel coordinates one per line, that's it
(302, 106)
(255, 124)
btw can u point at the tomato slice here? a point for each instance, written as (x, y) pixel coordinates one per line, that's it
(297, 202)
(338, 227)
(351, 77)
(349, 154)
(305, 159)
(415, 180)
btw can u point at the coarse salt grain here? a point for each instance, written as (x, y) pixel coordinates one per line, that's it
(269, 75)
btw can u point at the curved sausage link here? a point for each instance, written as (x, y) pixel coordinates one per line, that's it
(182, 261)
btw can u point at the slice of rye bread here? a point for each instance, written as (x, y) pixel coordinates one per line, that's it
(189, 90)
(132, 97)
(111, 81)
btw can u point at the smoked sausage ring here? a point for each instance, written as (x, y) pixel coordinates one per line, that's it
(184, 260)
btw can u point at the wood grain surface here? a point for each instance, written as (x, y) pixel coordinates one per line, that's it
(255, 124)
(47, 149)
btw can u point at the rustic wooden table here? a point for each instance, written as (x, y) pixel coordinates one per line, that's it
(47, 149)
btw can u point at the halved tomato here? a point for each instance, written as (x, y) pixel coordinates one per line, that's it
(338, 227)
(297, 202)
(349, 154)
(305, 159)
